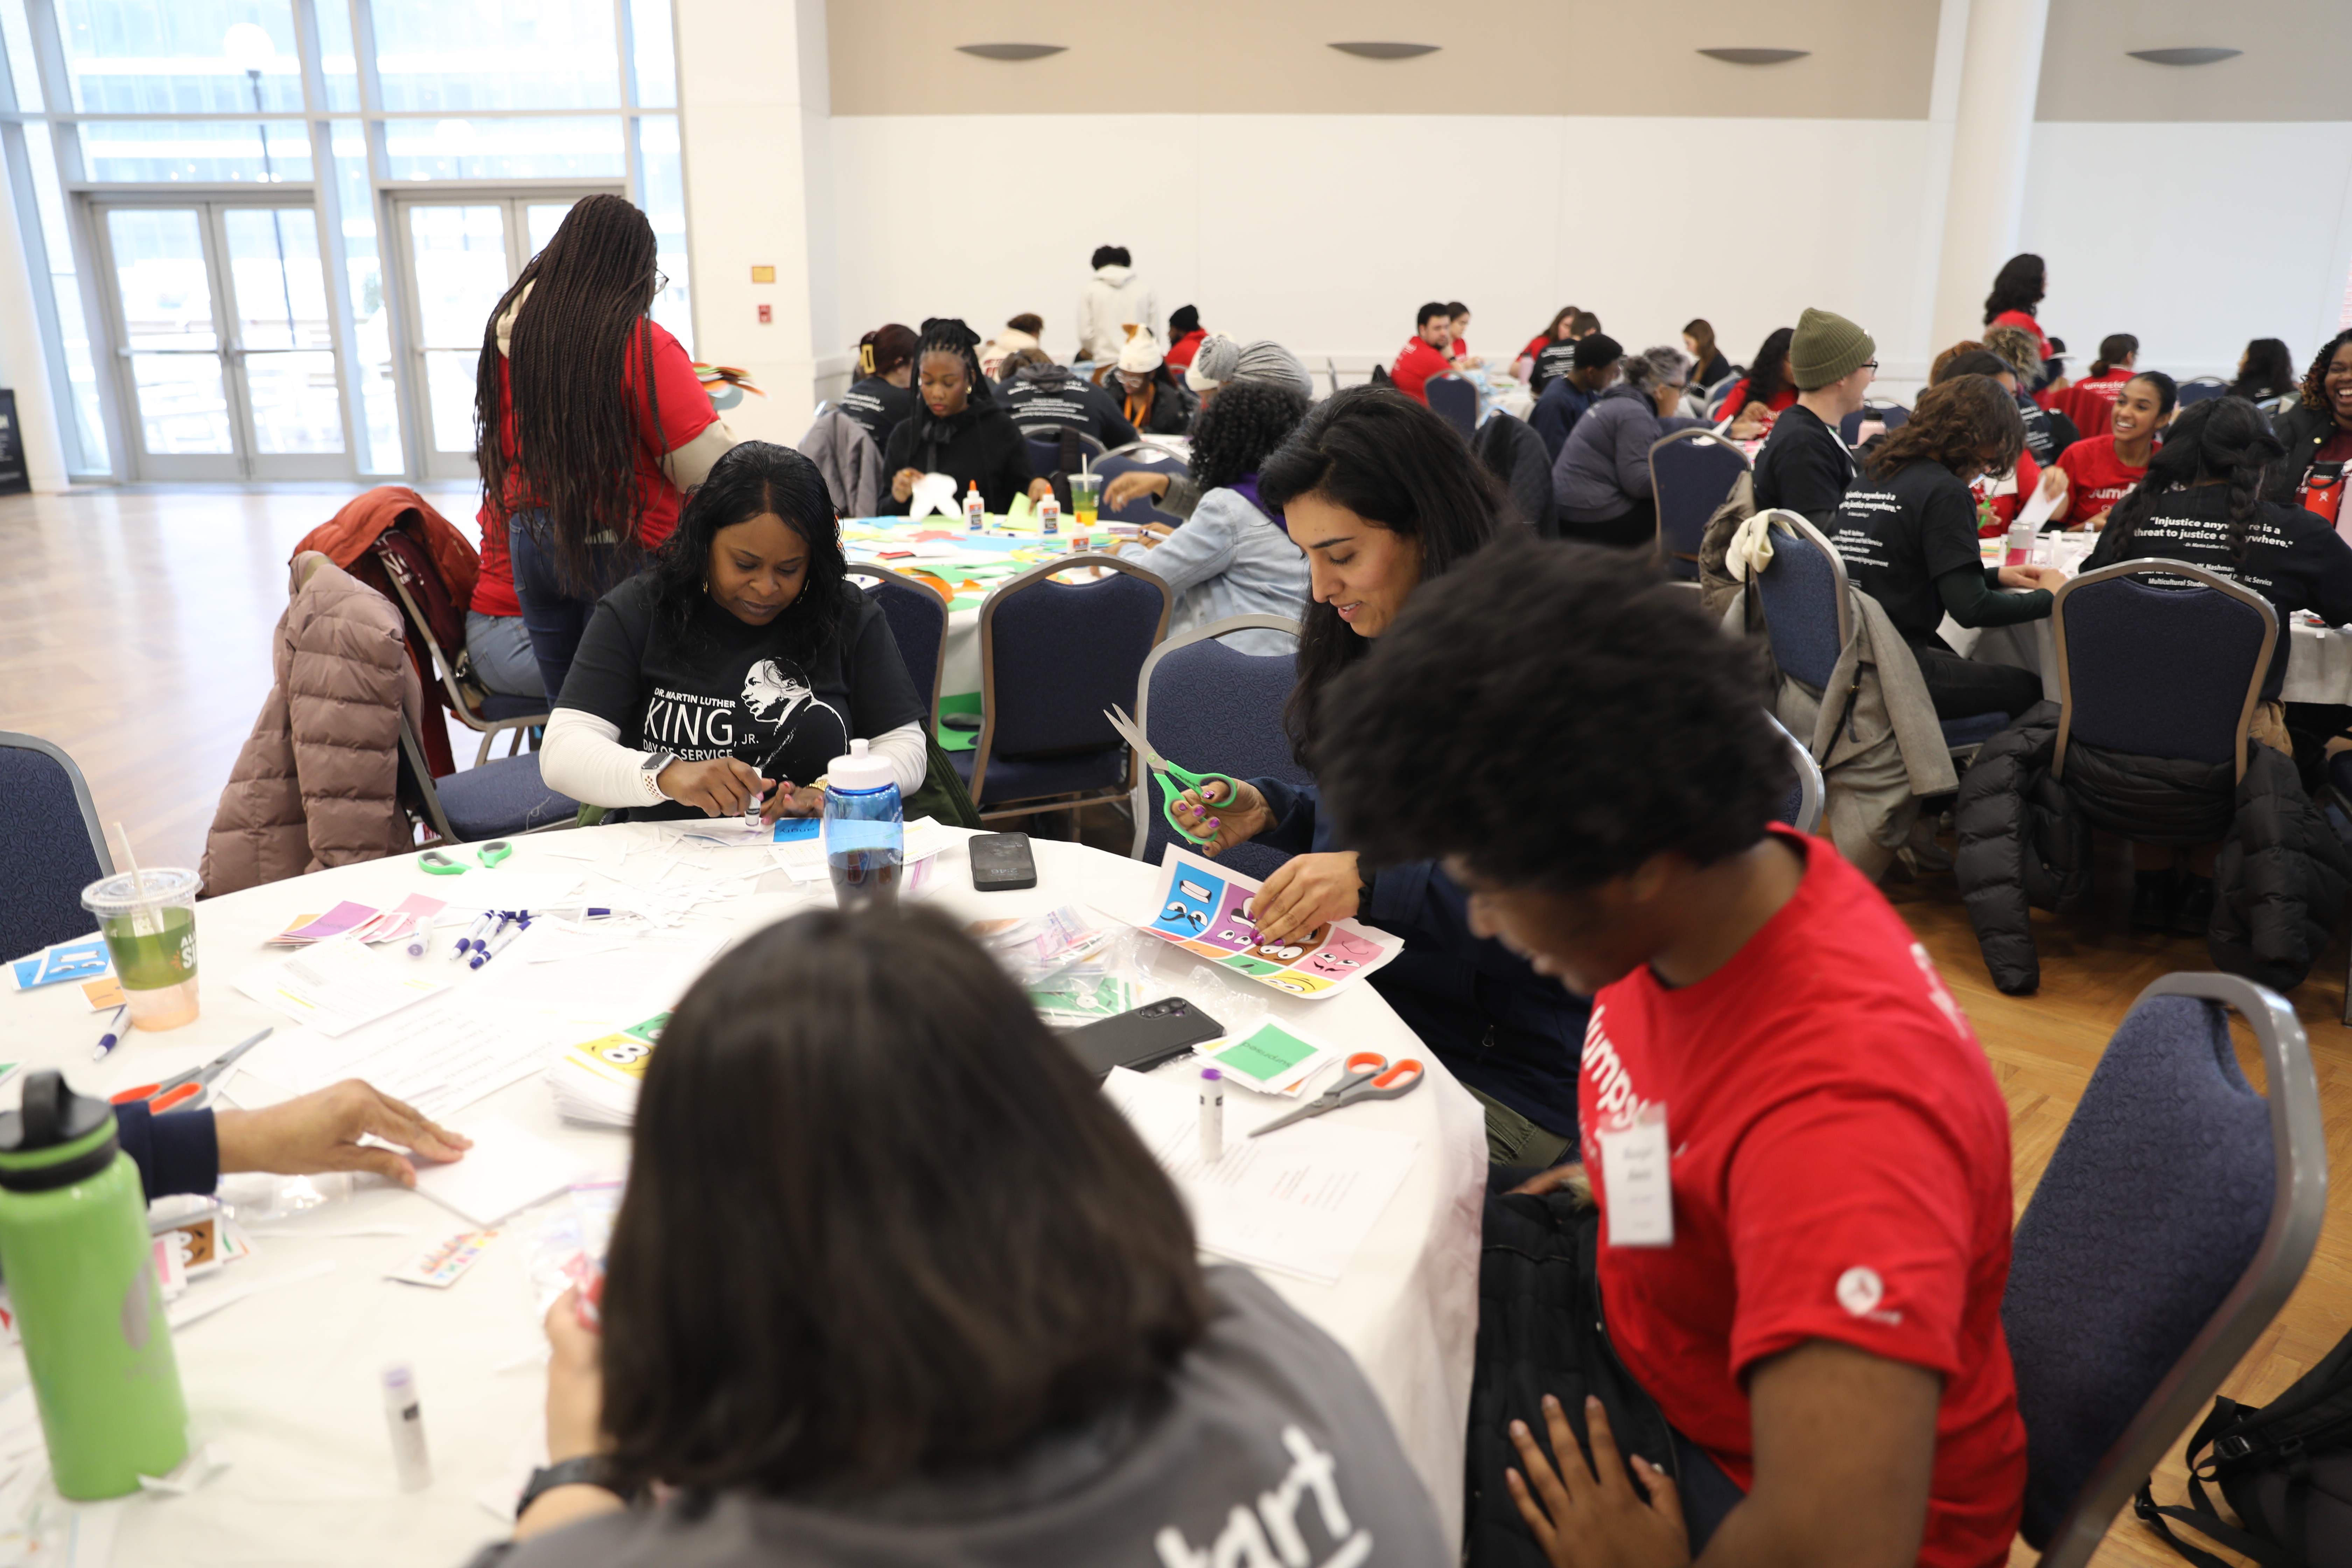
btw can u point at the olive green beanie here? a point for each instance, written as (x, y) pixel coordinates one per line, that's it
(1826, 348)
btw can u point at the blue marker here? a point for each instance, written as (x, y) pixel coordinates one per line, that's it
(106, 1042)
(495, 946)
(481, 929)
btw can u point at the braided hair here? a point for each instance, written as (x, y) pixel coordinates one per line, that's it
(1235, 433)
(570, 351)
(949, 335)
(2220, 439)
(2314, 380)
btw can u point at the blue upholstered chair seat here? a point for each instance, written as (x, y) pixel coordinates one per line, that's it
(499, 798)
(1975, 730)
(497, 706)
(1029, 778)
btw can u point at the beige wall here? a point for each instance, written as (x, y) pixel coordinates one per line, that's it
(1871, 59)
(2292, 67)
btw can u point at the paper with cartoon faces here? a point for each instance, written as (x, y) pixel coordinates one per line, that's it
(1206, 910)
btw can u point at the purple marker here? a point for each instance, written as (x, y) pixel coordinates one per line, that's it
(1213, 1116)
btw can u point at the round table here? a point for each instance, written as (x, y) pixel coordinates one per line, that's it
(287, 1380)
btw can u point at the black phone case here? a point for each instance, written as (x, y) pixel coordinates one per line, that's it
(1142, 1037)
(1001, 879)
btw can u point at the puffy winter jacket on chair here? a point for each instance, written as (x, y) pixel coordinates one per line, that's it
(2025, 844)
(316, 781)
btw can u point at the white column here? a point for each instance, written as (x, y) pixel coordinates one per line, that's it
(24, 366)
(754, 107)
(2001, 77)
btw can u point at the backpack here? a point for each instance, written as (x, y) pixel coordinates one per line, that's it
(2285, 1469)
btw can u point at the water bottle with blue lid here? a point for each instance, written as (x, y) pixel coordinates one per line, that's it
(865, 828)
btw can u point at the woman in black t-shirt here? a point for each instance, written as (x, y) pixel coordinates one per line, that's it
(1907, 531)
(958, 428)
(744, 660)
(886, 365)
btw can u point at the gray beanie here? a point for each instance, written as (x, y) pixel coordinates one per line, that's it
(1220, 359)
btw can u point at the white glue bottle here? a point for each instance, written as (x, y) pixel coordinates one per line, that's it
(402, 1414)
(2020, 540)
(975, 511)
(1049, 516)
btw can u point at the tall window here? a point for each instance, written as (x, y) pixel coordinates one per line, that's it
(263, 233)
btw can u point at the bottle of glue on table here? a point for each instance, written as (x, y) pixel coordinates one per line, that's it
(975, 511)
(407, 1423)
(1213, 1115)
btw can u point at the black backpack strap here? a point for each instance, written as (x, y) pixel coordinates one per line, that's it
(2206, 1522)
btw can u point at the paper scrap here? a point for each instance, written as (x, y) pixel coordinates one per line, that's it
(337, 985)
(1204, 909)
(194, 1471)
(341, 920)
(803, 857)
(1273, 1057)
(443, 1266)
(509, 1168)
(84, 958)
(103, 994)
(440, 1058)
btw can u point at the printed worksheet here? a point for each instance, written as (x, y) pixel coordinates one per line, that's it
(1204, 909)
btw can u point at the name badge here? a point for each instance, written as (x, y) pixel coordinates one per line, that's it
(1635, 1173)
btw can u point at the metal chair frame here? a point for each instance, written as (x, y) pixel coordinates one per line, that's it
(18, 740)
(1142, 804)
(1696, 436)
(938, 663)
(985, 746)
(412, 752)
(1796, 526)
(1812, 791)
(446, 669)
(2153, 566)
(2299, 1162)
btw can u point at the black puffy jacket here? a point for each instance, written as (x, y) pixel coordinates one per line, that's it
(2301, 431)
(2025, 844)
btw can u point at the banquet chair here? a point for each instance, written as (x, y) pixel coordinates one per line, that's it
(1893, 415)
(496, 799)
(1213, 708)
(1809, 619)
(1053, 657)
(2200, 389)
(919, 624)
(1455, 400)
(2170, 1226)
(1133, 459)
(1692, 472)
(522, 717)
(51, 846)
(1800, 808)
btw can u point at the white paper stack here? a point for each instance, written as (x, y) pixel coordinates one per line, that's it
(595, 1082)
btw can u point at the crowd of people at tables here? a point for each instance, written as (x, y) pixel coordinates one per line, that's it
(1602, 924)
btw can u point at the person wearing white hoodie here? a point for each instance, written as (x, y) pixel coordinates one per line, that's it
(1114, 299)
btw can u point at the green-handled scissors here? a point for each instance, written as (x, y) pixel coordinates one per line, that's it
(436, 864)
(1173, 781)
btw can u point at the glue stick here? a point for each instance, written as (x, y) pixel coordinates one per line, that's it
(1213, 1116)
(407, 1423)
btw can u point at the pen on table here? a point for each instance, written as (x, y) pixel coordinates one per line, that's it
(495, 946)
(107, 1041)
(1213, 1115)
(480, 928)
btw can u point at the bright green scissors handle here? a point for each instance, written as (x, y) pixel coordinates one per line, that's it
(1173, 781)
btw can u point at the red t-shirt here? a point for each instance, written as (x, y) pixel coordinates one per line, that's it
(2105, 388)
(1535, 346)
(2099, 477)
(1736, 399)
(686, 412)
(494, 593)
(1415, 364)
(1840, 1171)
(1180, 352)
(2018, 319)
(2005, 494)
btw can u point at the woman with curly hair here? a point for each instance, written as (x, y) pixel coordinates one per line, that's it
(958, 427)
(1766, 384)
(744, 660)
(2265, 371)
(1231, 557)
(2317, 435)
(1907, 531)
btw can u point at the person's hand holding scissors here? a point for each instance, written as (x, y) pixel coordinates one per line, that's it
(1584, 1520)
(1238, 816)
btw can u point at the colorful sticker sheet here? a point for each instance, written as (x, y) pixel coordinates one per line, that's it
(1204, 909)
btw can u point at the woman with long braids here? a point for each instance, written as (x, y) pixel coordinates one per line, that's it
(958, 428)
(589, 424)
(2317, 435)
(1230, 558)
(2202, 501)
(1383, 496)
(740, 664)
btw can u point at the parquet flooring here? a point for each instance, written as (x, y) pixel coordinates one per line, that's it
(134, 631)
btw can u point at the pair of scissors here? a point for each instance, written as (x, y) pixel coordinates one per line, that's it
(189, 1088)
(1173, 781)
(1368, 1077)
(436, 864)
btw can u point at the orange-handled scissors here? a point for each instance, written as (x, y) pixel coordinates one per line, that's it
(191, 1086)
(1368, 1077)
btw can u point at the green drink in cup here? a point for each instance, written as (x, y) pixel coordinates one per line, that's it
(149, 921)
(1086, 498)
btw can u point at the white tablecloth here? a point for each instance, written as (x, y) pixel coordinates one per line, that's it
(2318, 663)
(287, 1380)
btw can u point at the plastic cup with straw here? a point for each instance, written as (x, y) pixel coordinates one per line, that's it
(148, 919)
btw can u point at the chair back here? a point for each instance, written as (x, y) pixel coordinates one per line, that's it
(499, 710)
(2170, 1226)
(1800, 808)
(1045, 455)
(51, 846)
(1807, 615)
(1691, 474)
(1137, 459)
(2200, 389)
(1456, 401)
(1893, 416)
(1053, 656)
(1213, 708)
(2159, 671)
(919, 624)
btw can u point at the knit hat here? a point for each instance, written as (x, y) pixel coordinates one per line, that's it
(1214, 363)
(1596, 349)
(1142, 356)
(1825, 349)
(1264, 360)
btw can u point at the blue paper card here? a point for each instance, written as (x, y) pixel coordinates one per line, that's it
(790, 829)
(84, 960)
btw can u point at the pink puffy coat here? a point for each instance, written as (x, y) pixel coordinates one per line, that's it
(315, 784)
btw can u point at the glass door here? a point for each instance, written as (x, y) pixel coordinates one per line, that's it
(225, 352)
(462, 255)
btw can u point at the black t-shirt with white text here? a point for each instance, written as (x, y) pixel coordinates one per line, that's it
(729, 689)
(1899, 533)
(1558, 357)
(878, 405)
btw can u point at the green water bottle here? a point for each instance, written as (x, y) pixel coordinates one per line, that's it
(82, 1274)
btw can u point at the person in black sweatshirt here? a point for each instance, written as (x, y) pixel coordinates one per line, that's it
(1805, 466)
(957, 427)
(1907, 531)
(1046, 399)
(880, 399)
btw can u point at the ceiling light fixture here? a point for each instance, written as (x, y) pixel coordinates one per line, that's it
(2195, 56)
(1384, 51)
(1012, 51)
(1755, 57)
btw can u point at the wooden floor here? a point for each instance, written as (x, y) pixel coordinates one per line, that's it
(134, 631)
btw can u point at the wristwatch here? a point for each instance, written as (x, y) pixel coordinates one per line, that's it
(649, 772)
(582, 1470)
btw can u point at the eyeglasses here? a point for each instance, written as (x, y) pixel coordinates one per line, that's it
(1869, 365)
(661, 281)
